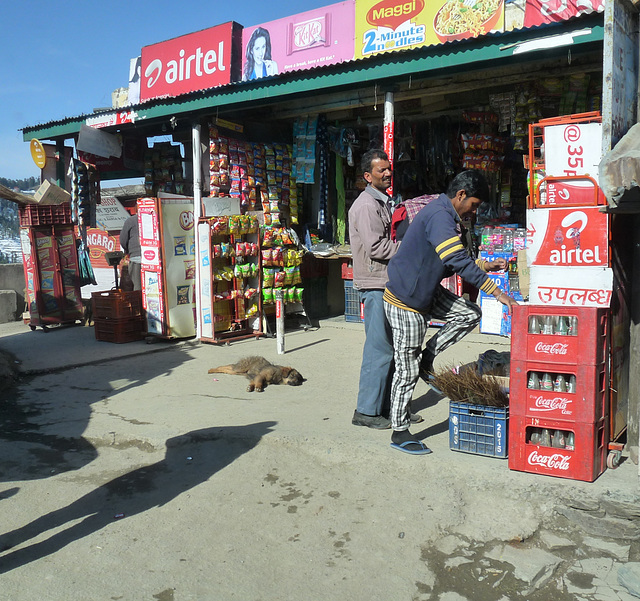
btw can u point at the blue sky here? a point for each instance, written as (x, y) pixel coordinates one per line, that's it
(64, 59)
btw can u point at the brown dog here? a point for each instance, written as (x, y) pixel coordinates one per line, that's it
(260, 372)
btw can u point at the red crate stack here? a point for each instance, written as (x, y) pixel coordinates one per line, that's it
(559, 391)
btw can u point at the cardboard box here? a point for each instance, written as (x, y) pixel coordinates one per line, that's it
(51, 194)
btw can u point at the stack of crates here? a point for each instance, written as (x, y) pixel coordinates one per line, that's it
(118, 316)
(559, 391)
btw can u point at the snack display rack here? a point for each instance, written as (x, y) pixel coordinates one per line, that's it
(234, 310)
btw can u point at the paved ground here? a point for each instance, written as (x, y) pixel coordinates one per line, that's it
(127, 472)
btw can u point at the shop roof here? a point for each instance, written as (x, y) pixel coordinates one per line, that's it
(382, 69)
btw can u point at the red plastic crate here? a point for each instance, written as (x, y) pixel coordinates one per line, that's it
(32, 214)
(119, 330)
(347, 270)
(586, 461)
(589, 403)
(117, 304)
(589, 347)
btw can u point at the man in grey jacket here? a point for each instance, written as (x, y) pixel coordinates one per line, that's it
(371, 247)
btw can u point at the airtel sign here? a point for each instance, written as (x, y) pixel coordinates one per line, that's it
(197, 61)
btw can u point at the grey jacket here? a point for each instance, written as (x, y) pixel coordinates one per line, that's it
(370, 238)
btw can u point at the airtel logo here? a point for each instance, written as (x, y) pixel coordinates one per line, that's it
(197, 64)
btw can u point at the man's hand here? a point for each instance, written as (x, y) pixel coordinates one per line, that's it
(498, 264)
(505, 299)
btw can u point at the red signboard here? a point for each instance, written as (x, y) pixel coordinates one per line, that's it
(197, 61)
(562, 237)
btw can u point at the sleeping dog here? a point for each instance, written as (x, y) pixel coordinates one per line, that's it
(260, 372)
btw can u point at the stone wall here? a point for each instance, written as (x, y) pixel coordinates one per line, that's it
(11, 292)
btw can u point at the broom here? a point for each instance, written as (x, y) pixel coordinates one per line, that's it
(469, 386)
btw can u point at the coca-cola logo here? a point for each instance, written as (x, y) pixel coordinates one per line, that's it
(543, 404)
(149, 255)
(558, 348)
(557, 461)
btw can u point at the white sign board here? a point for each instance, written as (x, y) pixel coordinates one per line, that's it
(110, 214)
(573, 149)
(101, 143)
(571, 286)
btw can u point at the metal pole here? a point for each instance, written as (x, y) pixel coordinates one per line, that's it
(279, 293)
(197, 202)
(389, 131)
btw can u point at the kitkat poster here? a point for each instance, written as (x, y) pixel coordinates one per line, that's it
(311, 39)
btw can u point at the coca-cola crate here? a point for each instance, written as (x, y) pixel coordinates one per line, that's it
(117, 304)
(119, 330)
(589, 345)
(347, 270)
(32, 214)
(588, 404)
(585, 461)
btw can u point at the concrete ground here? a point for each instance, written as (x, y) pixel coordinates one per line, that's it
(128, 472)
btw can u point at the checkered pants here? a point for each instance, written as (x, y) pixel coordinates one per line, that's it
(409, 329)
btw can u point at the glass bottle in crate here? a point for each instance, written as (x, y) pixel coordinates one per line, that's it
(534, 437)
(562, 327)
(547, 382)
(558, 439)
(534, 381)
(570, 439)
(545, 437)
(534, 324)
(560, 383)
(547, 324)
(573, 326)
(571, 385)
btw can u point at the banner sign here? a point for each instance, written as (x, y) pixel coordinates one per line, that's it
(573, 149)
(386, 25)
(565, 237)
(571, 286)
(311, 39)
(188, 63)
(539, 12)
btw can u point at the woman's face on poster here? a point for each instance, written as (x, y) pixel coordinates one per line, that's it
(259, 49)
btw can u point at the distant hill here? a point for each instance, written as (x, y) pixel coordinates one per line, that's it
(9, 222)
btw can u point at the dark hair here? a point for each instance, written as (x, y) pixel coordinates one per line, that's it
(472, 182)
(258, 32)
(369, 156)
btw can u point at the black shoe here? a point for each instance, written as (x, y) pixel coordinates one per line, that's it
(377, 422)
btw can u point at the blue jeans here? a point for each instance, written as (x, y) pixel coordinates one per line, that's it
(377, 357)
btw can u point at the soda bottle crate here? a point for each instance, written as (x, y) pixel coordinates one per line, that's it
(116, 304)
(588, 404)
(129, 329)
(585, 461)
(32, 214)
(478, 429)
(589, 345)
(353, 309)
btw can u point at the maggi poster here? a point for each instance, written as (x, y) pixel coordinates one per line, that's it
(387, 25)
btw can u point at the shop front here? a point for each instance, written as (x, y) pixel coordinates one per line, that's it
(269, 155)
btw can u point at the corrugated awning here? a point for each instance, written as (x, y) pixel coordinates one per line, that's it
(517, 46)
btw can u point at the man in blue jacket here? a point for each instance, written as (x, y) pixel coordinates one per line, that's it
(430, 251)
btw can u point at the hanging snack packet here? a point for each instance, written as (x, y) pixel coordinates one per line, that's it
(279, 278)
(299, 293)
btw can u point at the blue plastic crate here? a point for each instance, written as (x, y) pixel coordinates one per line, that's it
(351, 303)
(478, 429)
